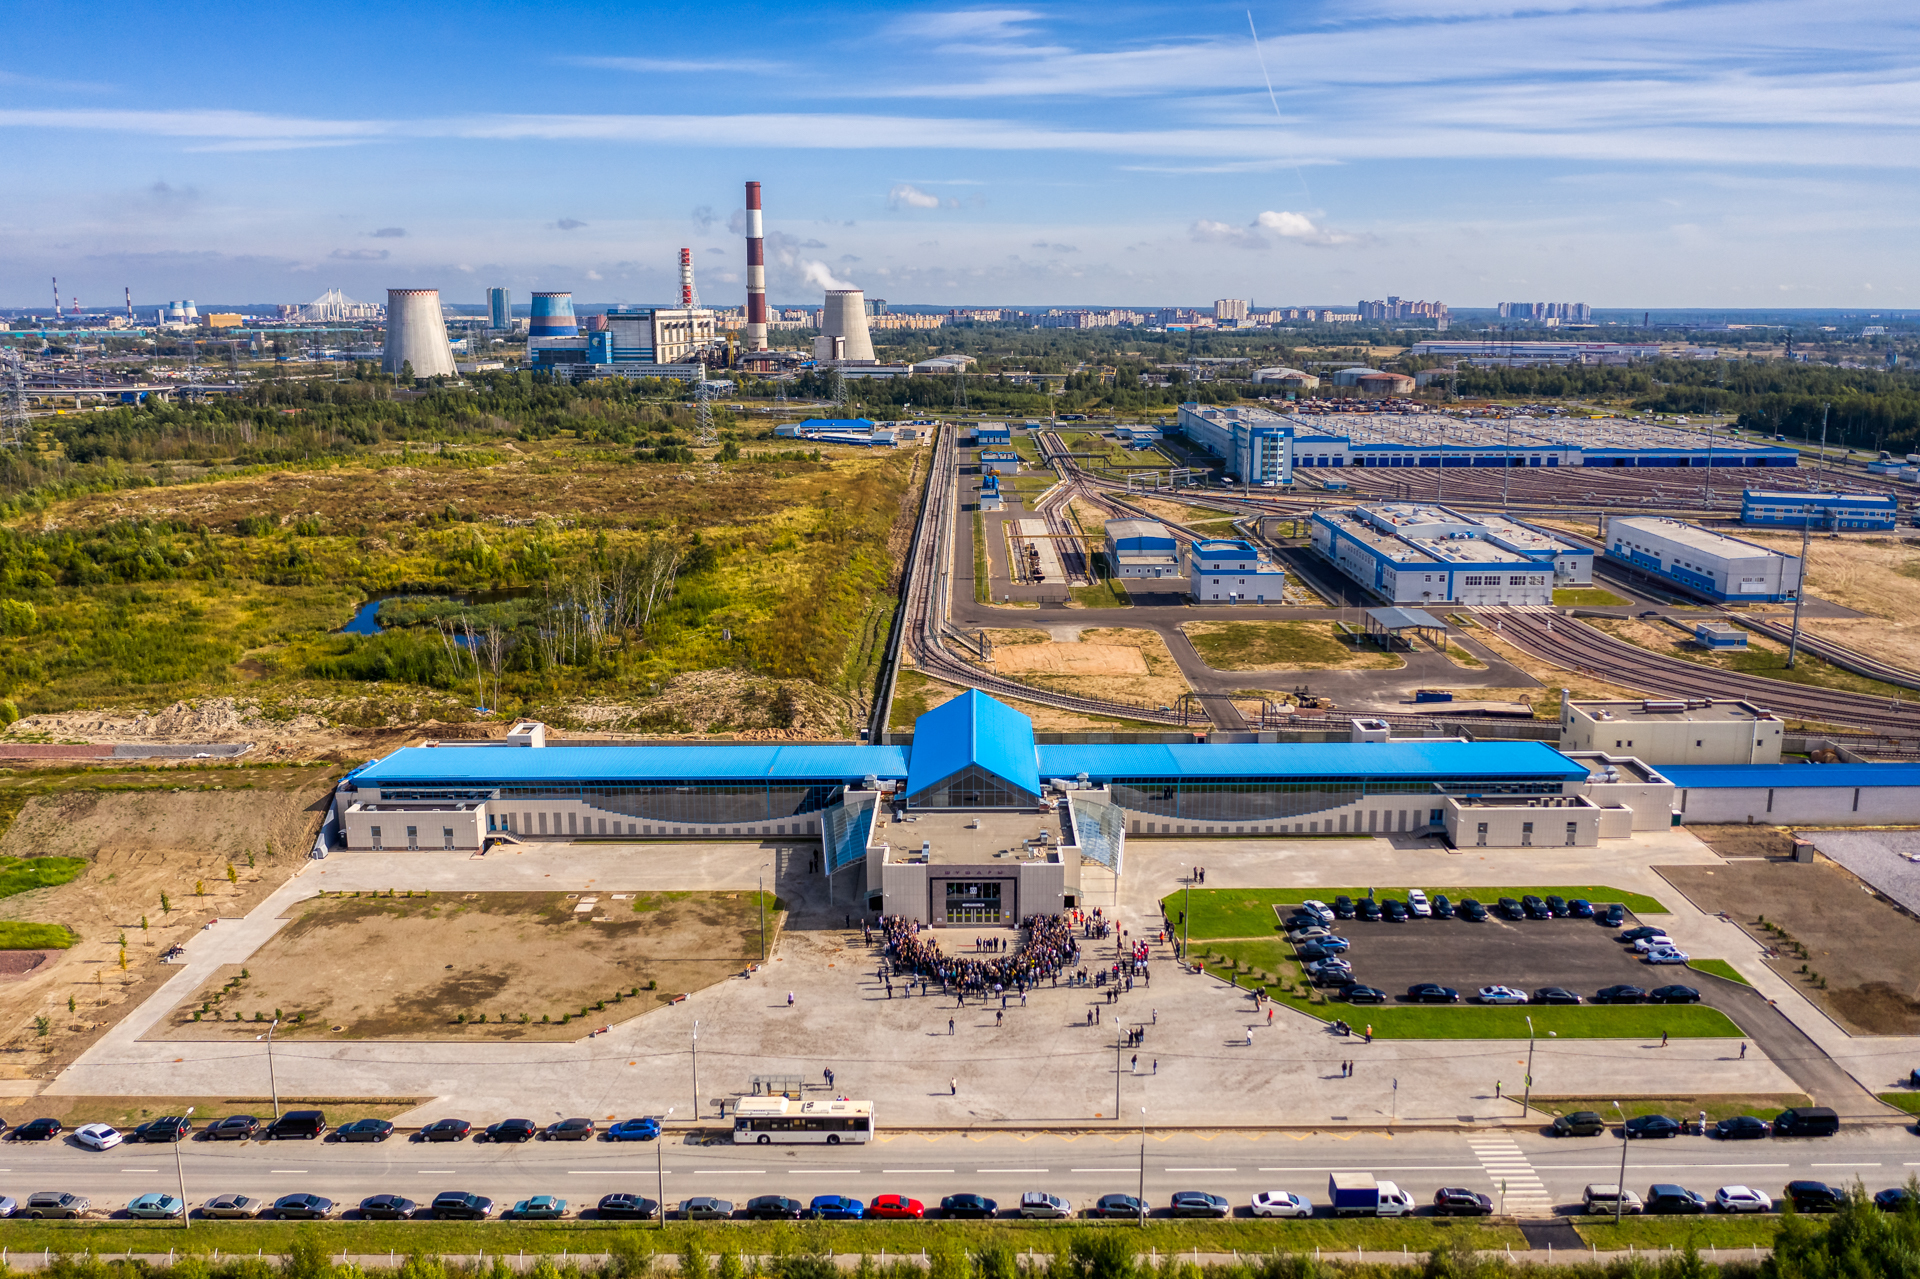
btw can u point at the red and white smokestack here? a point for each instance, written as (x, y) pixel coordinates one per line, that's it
(756, 273)
(686, 279)
(129, 302)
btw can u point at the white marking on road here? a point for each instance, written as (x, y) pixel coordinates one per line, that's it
(1856, 1165)
(1036, 1170)
(614, 1172)
(902, 1172)
(1373, 1167)
(728, 1172)
(432, 1172)
(1199, 1170)
(301, 1172)
(139, 1170)
(1616, 1164)
(1116, 1169)
(851, 1172)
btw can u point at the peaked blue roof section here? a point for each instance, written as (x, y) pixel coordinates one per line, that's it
(1334, 759)
(588, 765)
(972, 729)
(1741, 776)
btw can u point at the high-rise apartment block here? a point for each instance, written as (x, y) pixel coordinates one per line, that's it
(1232, 308)
(499, 309)
(1542, 312)
(1393, 308)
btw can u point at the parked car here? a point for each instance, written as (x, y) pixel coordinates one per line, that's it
(1312, 932)
(1312, 952)
(1666, 955)
(155, 1205)
(55, 1203)
(1502, 995)
(446, 1130)
(387, 1207)
(512, 1130)
(460, 1205)
(1358, 994)
(1456, 1201)
(1343, 907)
(644, 1128)
(8, 1205)
(1427, 992)
(706, 1208)
(775, 1208)
(98, 1136)
(301, 1207)
(1581, 1123)
(1281, 1203)
(1320, 910)
(1742, 1199)
(1367, 909)
(1198, 1203)
(1622, 994)
(1652, 1126)
(580, 1129)
(298, 1123)
(1611, 916)
(1892, 1199)
(1600, 1197)
(1038, 1203)
(968, 1206)
(542, 1208)
(1556, 906)
(1806, 1121)
(1393, 910)
(1472, 911)
(1815, 1196)
(895, 1208)
(1535, 907)
(1554, 995)
(1337, 945)
(1442, 908)
(364, 1130)
(232, 1207)
(165, 1128)
(1641, 933)
(1742, 1128)
(836, 1208)
(1578, 908)
(1673, 995)
(38, 1130)
(1418, 906)
(232, 1128)
(1117, 1206)
(1647, 945)
(1332, 969)
(1510, 909)
(1673, 1200)
(622, 1205)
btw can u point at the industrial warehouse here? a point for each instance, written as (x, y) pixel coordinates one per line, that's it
(974, 822)
(1410, 553)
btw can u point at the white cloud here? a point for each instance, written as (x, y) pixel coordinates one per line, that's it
(906, 196)
(1207, 232)
(1298, 226)
(970, 24)
(359, 255)
(820, 274)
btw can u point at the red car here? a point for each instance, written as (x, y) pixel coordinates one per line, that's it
(896, 1206)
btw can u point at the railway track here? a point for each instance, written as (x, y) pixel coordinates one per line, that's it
(1573, 645)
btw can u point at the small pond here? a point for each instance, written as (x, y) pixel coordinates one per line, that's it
(366, 618)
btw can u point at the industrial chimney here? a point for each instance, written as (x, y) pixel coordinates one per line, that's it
(689, 296)
(552, 316)
(416, 334)
(845, 316)
(756, 273)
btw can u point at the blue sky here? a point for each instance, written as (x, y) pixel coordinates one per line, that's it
(1729, 153)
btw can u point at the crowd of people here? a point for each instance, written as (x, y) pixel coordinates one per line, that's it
(1048, 949)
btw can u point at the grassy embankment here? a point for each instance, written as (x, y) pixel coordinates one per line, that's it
(1586, 596)
(982, 571)
(1717, 1105)
(1719, 968)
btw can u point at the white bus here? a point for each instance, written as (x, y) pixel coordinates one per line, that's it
(762, 1120)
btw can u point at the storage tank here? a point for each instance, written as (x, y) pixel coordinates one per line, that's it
(416, 334)
(553, 316)
(845, 316)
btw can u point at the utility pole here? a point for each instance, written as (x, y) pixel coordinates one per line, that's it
(1141, 1219)
(696, 1069)
(272, 1082)
(1526, 1098)
(1800, 587)
(186, 1213)
(1619, 1199)
(763, 914)
(659, 1171)
(1823, 436)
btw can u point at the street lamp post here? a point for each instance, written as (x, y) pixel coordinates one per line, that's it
(179, 1170)
(659, 1168)
(1527, 1097)
(763, 911)
(1119, 1039)
(272, 1082)
(696, 1069)
(1620, 1197)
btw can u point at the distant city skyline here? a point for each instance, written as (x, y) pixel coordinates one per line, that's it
(1705, 154)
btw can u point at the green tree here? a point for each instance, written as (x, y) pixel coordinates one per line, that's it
(1858, 1242)
(17, 617)
(406, 373)
(307, 1256)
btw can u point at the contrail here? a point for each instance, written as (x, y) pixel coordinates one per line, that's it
(1271, 98)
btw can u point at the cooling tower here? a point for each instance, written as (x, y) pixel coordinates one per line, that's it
(845, 316)
(416, 334)
(553, 316)
(756, 273)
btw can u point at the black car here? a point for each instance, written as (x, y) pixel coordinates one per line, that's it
(1578, 908)
(775, 1208)
(309, 1124)
(1343, 907)
(1557, 907)
(1116, 1206)
(1358, 994)
(1302, 919)
(1535, 907)
(625, 1205)
(1308, 952)
(460, 1205)
(232, 1128)
(1581, 1123)
(1510, 909)
(1340, 976)
(38, 1130)
(1742, 1128)
(1620, 995)
(1472, 911)
(165, 1128)
(1815, 1196)
(968, 1206)
(387, 1207)
(1652, 1126)
(1442, 908)
(512, 1130)
(1891, 1200)
(1367, 909)
(1611, 916)
(1673, 995)
(1427, 992)
(1393, 910)
(446, 1130)
(569, 1130)
(1456, 1201)
(1554, 995)
(1636, 934)
(299, 1208)
(364, 1130)
(1674, 1200)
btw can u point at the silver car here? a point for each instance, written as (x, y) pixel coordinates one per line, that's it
(1038, 1203)
(56, 1203)
(232, 1206)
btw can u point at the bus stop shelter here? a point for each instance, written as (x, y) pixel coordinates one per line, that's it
(1399, 627)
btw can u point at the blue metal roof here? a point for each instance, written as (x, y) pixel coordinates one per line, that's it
(972, 729)
(563, 765)
(1747, 776)
(1336, 759)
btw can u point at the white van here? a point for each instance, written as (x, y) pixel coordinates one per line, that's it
(1394, 1202)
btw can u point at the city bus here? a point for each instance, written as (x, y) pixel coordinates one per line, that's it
(763, 1120)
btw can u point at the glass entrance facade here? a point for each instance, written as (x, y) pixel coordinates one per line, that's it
(974, 901)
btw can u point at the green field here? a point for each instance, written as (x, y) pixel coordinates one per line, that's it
(15, 935)
(1712, 1230)
(1249, 912)
(1246, 646)
(1907, 1101)
(1107, 592)
(1590, 596)
(1719, 968)
(1717, 1106)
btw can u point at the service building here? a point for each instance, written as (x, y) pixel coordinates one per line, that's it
(1141, 549)
(1722, 568)
(1676, 731)
(1839, 512)
(1232, 570)
(1421, 553)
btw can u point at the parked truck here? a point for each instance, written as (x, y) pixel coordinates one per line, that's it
(1357, 1194)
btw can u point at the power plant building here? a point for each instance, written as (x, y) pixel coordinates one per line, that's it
(416, 334)
(1418, 553)
(636, 341)
(1724, 569)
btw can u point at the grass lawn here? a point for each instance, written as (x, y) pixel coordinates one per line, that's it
(1303, 646)
(1907, 1101)
(1461, 657)
(1108, 592)
(982, 579)
(15, 935)
(1470, 1021)
(1719, 968)
(23, 874)
(1711, 1230)
(1592, 596)
(1717, 1105)
(1249, 912)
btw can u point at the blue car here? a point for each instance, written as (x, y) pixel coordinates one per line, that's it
(154, 1205)
(836, 1208)
(634, 1130)
(540, 1208)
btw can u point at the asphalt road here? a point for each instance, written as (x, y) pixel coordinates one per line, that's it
(926, 1166)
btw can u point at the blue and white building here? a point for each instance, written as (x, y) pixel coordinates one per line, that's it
(1141, 549)
(1232, 570)
(1254, 445)
(1722, 568)
(1839, 512)
(988, 434)
(1418, 553)
(999, 462)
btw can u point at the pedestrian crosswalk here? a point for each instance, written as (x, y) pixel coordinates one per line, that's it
(1525, 1194)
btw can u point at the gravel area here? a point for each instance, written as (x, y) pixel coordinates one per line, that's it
(1878, 857)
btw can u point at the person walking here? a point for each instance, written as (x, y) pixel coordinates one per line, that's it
(1663, 1039)
(998, 1017)
(953, 1087)
(789, 999)
(1269, 1016)
(1743, 1051)
(1369, 1032)
(949, 1025)
(1136, 1063)
(1156, 1065)
(828, 1072)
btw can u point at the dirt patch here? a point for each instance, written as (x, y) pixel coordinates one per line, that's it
(1282, 646)
(1745, 840)
(910, 703)
(539, 966)
(1850, 951)
(15, 964)
(1069, 659)
(1111, 662)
